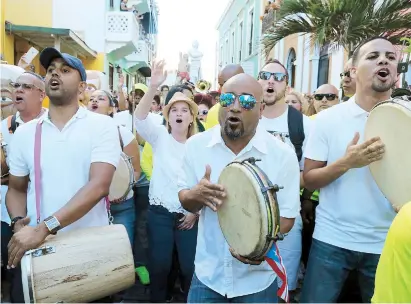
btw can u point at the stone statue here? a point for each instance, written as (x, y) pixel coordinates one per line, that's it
(183, 68)
(195, 62)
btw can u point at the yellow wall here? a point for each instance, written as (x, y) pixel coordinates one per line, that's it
(29, 12)
(96, 64)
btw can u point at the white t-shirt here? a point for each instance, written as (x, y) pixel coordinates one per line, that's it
(279, 128)
(167, 159)
(66, 157)
(7, 137)
(214, 265)
(353, 213)
(127, 137)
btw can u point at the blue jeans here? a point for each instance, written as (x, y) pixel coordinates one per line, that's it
(328, 268)
(200, 293)
(125, 215)
(163, 233)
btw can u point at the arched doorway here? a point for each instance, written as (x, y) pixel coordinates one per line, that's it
(292, 57)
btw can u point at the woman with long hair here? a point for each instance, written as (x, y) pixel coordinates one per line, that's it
(123, 212)
(168, 223)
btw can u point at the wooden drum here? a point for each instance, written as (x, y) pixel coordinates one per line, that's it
(79, 266)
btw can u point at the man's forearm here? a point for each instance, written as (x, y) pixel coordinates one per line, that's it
(81, 203)
(16, 203)
(121, 99)
(188, 202)
(286, 224)
(321, 177)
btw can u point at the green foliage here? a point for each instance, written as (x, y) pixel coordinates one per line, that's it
(340, 22)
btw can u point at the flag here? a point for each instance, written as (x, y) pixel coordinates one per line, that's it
(273, 259)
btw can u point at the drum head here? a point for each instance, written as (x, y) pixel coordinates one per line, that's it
(121, 184)
(242, 216)
(392, 123)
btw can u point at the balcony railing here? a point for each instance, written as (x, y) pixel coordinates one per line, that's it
(122, 27)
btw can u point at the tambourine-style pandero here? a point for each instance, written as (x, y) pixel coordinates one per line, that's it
(249, 217)
(123, 179)
(391, 121)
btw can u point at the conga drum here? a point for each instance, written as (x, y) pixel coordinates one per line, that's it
(79, 266)
(391, 121)
(250, 218)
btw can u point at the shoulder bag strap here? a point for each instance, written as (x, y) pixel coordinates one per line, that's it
(37, 169)
(121, 140)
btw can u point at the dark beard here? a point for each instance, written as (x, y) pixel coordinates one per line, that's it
(62, 98)
(382, 87)
(233, 134)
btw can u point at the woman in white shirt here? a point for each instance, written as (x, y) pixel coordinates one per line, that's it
(123, 212)
(168, 222)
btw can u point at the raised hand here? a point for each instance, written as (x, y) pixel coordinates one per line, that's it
(158, 74)
(361, 155)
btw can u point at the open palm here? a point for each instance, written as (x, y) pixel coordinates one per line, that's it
(158, 74)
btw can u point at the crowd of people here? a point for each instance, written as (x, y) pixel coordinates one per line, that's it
(334, 217)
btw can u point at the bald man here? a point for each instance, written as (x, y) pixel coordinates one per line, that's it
(226, 73)
(325, 97)
(222, 276)
(27, 95)
(348, 83)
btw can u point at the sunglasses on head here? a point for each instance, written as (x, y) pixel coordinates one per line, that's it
(203, 112)
(345, 74)
(279, 77)
(328, 96)
(247, 101)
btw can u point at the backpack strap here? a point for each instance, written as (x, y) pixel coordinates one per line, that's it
(121, 140)
(296, 130)
(12, 124)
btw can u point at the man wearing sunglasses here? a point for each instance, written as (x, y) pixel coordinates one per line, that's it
(219, 275)
(27, 94)
(325, 97)
(289, 125)
(348, 83)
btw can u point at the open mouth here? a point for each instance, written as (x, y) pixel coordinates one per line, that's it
(94, 107)
(178, 120)
(270, 90)
(19, 99)
(54, 84)
(234, 120)
(383, 74)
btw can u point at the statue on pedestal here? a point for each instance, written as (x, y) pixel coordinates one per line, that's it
(195, 62)
(183, 68)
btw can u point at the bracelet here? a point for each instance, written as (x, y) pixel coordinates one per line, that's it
(14, 221)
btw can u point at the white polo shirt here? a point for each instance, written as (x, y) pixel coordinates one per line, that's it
(214, 265)
(353, 213)
(66, 157)
(125, 119)
(7, 137)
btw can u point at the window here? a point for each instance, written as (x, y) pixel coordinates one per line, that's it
(240, 38)
(251, 22)
(323, 66)
(221, 56)
(232, 47)
(110, 76)
(227, 51)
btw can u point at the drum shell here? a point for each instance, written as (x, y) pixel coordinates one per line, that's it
(88, 264)
(123, 179)
(4, 166)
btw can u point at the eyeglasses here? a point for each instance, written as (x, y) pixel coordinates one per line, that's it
(345, 74)
(329, 97)
(24, 86)
(279, 77)
(247, 101)
(203, 112)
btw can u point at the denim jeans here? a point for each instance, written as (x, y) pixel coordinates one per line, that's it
(163, 233)
(200, 293)
(125, 215)
(140, 231)
(328, 268)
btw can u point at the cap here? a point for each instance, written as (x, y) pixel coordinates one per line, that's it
(48, 54)
(178, 96)
(141, 87)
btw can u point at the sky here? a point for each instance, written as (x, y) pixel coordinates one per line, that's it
(183, 21)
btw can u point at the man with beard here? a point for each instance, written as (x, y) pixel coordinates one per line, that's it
(222, 276)
(226, 73)
(348, 82)
(353, 217)
(79, 154)
(289, 125)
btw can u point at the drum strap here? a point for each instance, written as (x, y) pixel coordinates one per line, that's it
(37, 174)
(121, 140)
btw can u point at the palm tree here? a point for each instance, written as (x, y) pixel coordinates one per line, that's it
(340, 22)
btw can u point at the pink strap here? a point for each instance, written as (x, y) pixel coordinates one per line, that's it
(37, 169)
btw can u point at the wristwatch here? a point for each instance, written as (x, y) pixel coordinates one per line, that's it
(52, 224)
(14, 221)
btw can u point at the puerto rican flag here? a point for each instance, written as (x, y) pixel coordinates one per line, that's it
(273, 259)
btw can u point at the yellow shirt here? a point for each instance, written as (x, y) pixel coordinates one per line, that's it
(46, 103)
(212, 117)
(147, 160)
(393, 276)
